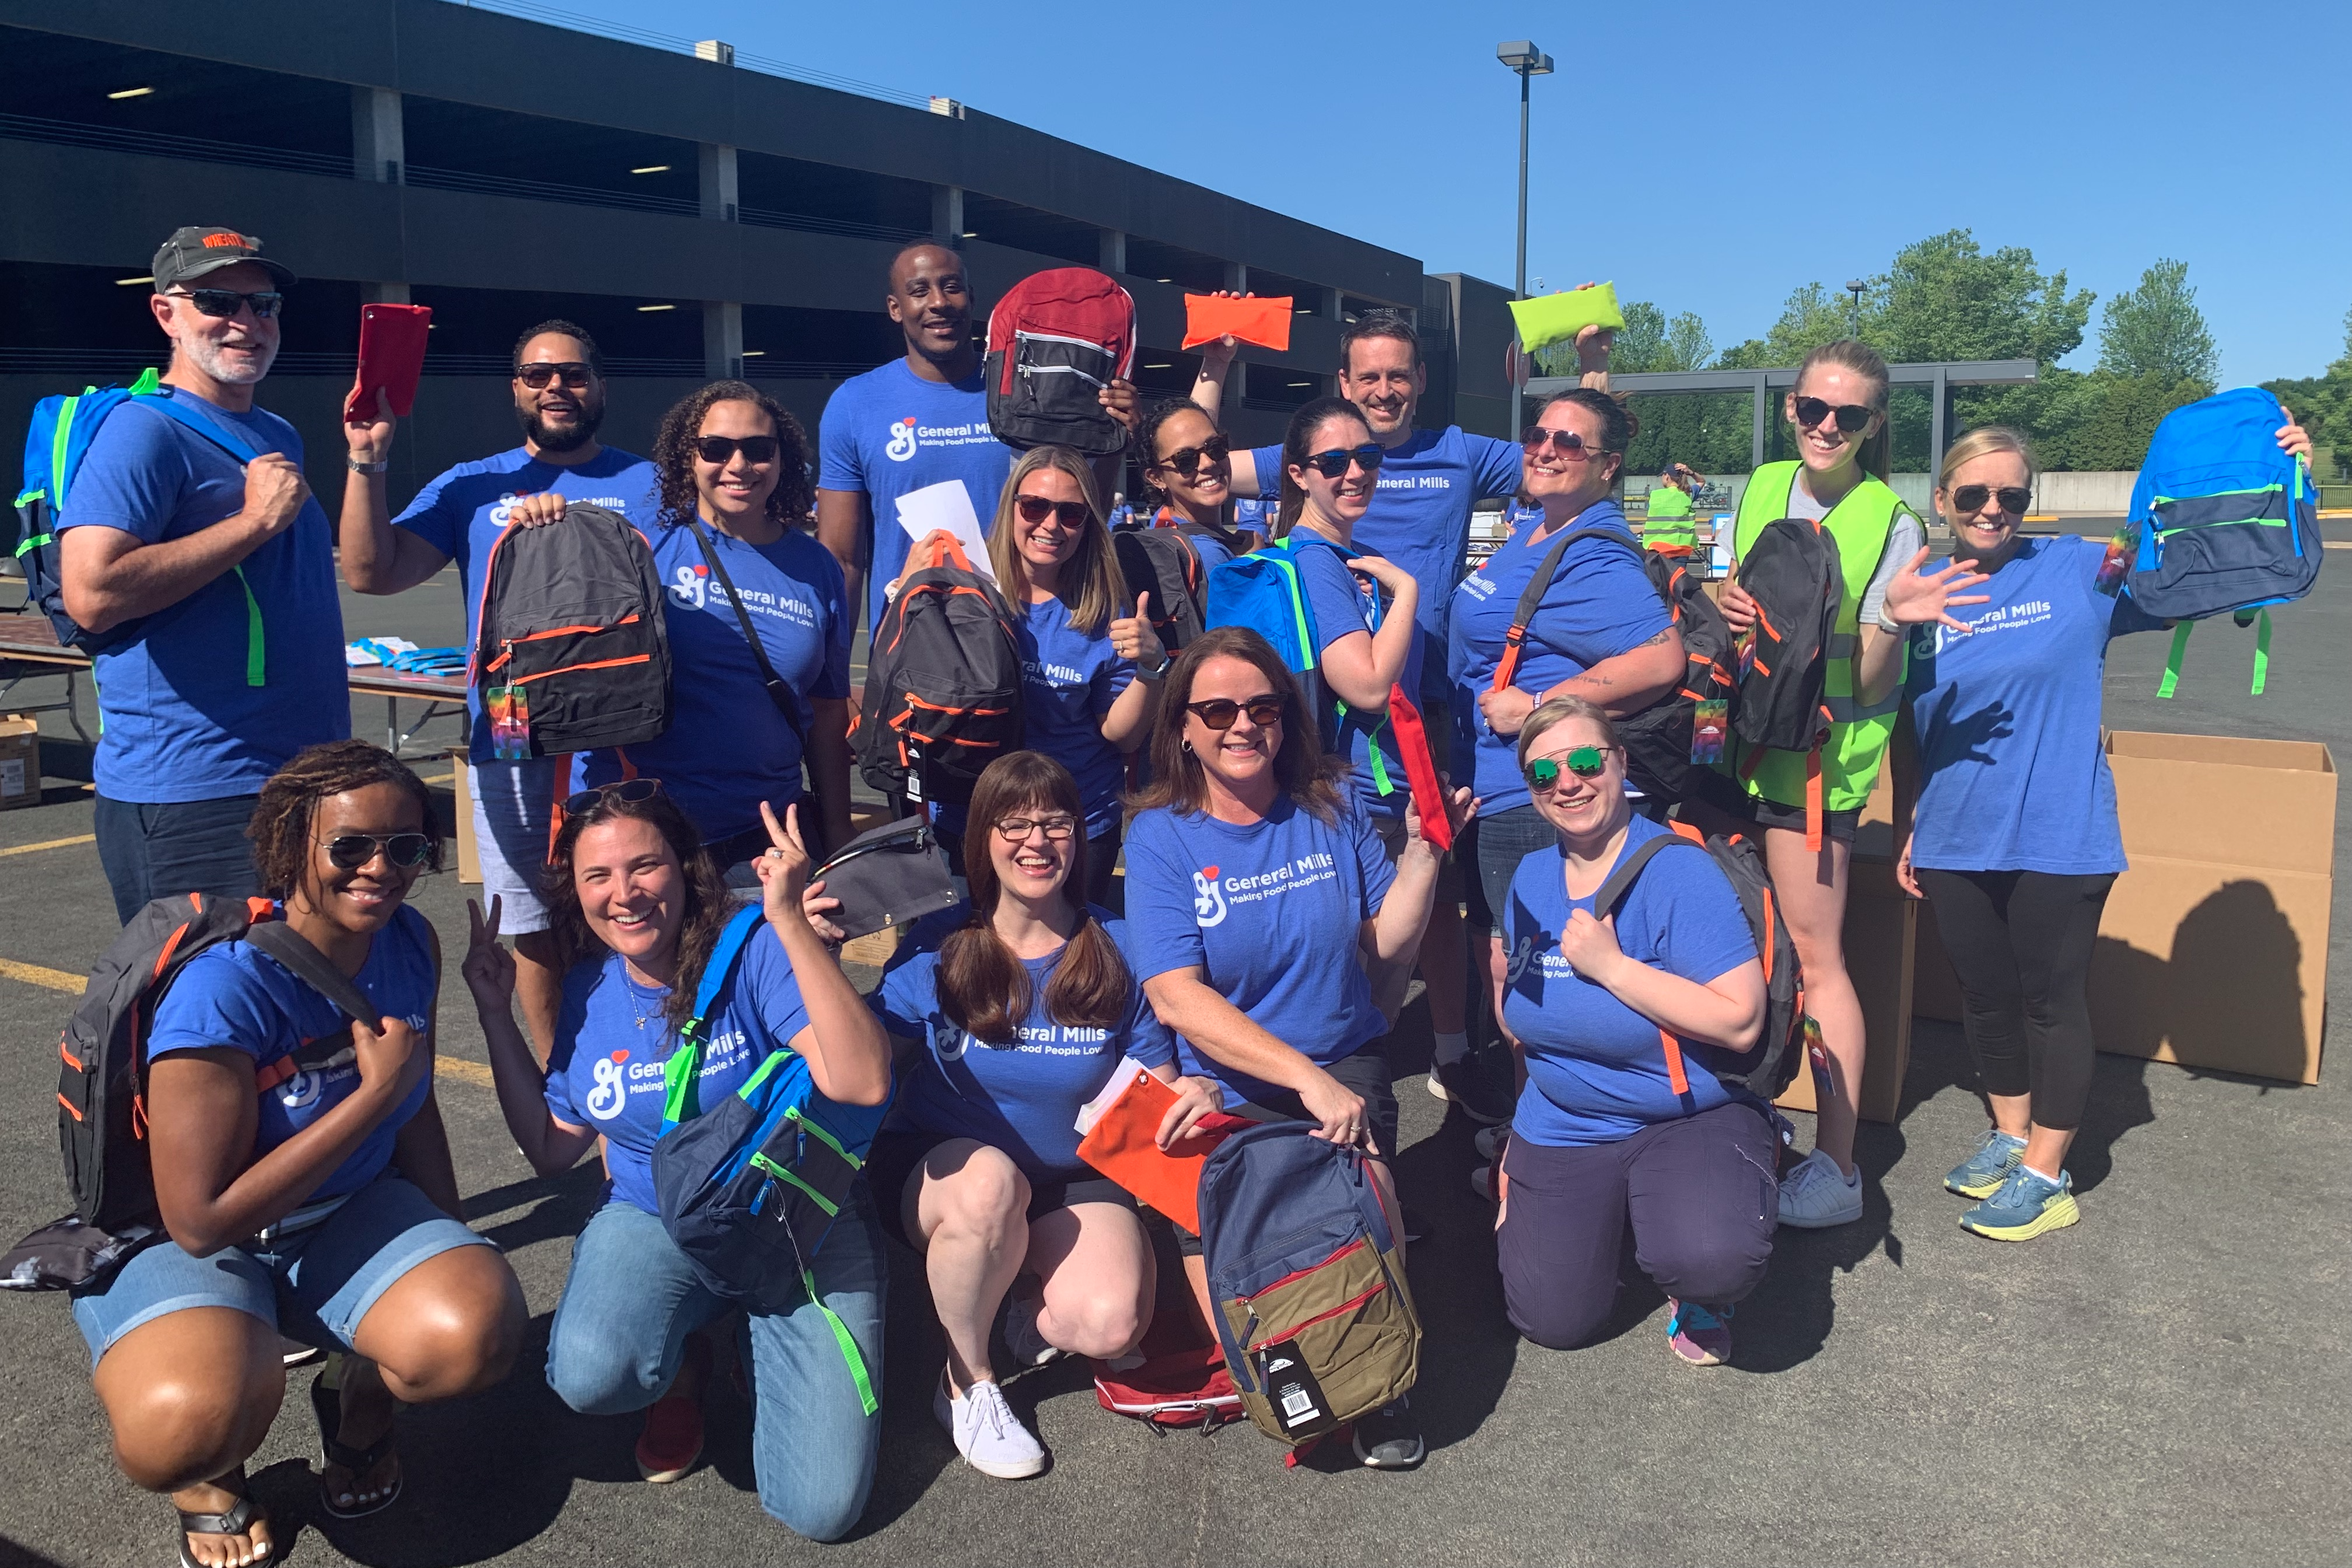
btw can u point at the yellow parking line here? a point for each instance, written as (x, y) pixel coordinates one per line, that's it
(51, 844)
(476, 1073)
(2337, 543)
(49, 979)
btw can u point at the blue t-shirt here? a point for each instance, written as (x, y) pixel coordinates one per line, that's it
(238, 997)
(1068, 682)
(1600, 604)
(1342, 603)
(1596, 1068)
(1272, 914)
(1023, 1096)
(606, 1071)
(1419, 515)
(727, 748)
(888, 432)
(462, 513)
(2013, 776)
(181, 720)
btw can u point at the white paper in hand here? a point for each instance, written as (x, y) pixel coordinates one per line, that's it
(946, 505)
(1089, 1113)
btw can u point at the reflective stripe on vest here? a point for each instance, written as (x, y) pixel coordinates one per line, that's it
(1669, 523)
(1858, 733)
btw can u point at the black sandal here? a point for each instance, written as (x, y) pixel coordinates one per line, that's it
(239, 1518)
(327, 1405)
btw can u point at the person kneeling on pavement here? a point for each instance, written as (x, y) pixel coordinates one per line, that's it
(1010, 1016)
(641, 907)
(1604, 1008)
(324, 1204)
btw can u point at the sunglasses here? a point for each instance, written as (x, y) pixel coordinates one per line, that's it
(1187, 461)
(2014, 497)
(1851, 417)
(1584, 761)
(719, 450)
(1035, 510)
(406, 851)
(1219, 712)
(537, 376)
(1567, 443)
(226, 302)
(1013, 829)
(1334, 465)
(635, 792)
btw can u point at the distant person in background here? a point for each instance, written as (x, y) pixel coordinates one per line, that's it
(2015, 838)
(220, 574)
(559, 400)
(1668, 526)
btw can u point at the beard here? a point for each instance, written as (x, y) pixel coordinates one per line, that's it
(209, 358)
(568, 437)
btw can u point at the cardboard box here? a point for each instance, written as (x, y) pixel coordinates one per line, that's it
(469, 853)
(20, 762)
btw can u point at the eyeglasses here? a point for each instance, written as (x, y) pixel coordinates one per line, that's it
(1584, 761)
(1035, 510)
(406, 851)
(537, 374)
(758, 450)
(1219, 712)
(1567, 443)
(635, 792)
(1851, 417)
(1013, 829)
(226, 302)
(1187, 461)
(1334, 465)
(1972, 497)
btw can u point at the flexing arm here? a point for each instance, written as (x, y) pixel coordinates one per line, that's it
(1362, 667)
(110, 577)
(844, 522)
(377, 557)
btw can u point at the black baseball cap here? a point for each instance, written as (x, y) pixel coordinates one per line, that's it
(192, 252)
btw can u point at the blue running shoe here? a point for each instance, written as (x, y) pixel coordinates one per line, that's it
(1982, 1174)
(1700, 1335)
(2025, 1206)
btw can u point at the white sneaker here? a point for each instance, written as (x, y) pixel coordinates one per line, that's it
(986, 1432)
(1815, 1197)
(1028, 1344)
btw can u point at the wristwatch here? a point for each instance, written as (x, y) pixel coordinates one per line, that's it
(355, 466)
(1159, 671)
(1885, 624)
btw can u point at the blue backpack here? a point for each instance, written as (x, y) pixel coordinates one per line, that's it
(61, 432)
(1313, 1311)
(2225, 522)
(750, 1188)
(1260, 591)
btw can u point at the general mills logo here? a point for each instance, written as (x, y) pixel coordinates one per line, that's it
(689, 588)
(1208, 899)
(952, 1044)
(504, 509)
(605, 1100)
(1521, 956)
(902, 440)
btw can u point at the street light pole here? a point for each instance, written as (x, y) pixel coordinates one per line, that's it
(1855, 286)
(1525, 61)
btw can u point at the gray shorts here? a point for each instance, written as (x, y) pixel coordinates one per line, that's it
(513, 803)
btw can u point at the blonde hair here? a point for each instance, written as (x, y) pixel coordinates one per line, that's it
(1876, 457)
(1982, 441)
(1560, 711)
(1093, 586)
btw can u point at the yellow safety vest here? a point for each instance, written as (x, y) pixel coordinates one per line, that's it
(1668, 524)
(1858, 735)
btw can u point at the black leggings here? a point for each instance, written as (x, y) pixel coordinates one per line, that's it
(2020, 942)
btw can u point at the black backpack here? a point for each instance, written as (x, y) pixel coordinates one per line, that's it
(1163, 562)
(1055, 342)
(102, 1079)
(1792, 572)
(942, 679)
(571, 621)
(1769, 1066)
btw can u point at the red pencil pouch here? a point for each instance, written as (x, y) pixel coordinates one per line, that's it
(392, 359)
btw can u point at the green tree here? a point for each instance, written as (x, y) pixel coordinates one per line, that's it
(2323, 406)
(1687, 346)
(2156, 328)
(1945, 299)
(1641, 344)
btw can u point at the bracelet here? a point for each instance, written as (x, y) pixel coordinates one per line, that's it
(355, 466)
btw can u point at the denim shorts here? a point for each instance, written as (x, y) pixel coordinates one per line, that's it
(314, 1285)
(513, 803)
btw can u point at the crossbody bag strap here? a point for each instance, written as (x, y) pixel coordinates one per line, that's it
(1507, 668)
(778, 693)
(680, 1073)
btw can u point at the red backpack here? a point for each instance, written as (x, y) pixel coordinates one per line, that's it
(1053, 342)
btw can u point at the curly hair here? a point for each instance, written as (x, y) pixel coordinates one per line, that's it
(794, 495)
(709, 903)
(280, 827)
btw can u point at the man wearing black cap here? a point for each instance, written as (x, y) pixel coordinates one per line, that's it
(192, 530)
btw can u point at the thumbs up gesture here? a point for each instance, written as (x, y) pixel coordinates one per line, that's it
(1131, 637)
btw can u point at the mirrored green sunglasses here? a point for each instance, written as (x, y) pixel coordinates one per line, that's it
(1584, 761)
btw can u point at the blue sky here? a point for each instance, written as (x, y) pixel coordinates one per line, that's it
(1708, 156)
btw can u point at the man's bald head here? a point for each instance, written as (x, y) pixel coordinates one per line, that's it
(930, 298)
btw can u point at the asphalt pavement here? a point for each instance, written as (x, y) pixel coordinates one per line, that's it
(2163, 1382)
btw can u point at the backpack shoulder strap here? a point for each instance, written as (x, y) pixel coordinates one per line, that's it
(1620, 880)
(681, 1072)
(209, 428)
(284, 944)
(1531, 597)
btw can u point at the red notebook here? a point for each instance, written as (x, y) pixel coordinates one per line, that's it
(1120, 1144)
(1265, 322)
(391, 358)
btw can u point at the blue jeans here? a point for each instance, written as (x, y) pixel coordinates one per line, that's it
(619, 1339)
(1497, 845)
(152, 852)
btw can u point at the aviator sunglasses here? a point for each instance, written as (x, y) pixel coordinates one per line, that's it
(1333, 465)
(539, 373)
(1567, 443)
(226, 302)
(406, 851)
(2014, 497)
(719, 450)
(1219, 712)
(1851, 417)
(635, 792)
(1584, 761)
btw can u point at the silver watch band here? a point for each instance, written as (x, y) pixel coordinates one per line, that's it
(355, 466)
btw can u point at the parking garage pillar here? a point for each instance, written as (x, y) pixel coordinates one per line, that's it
(722, 340)
(376, 151)
(718, 166)
(1110, 251)
(947, 216)
(1238, 378)
(1331, 311)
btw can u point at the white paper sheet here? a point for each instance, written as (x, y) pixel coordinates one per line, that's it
(946, 505)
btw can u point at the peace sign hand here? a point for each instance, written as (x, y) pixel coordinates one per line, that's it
(1922, 599)
(489, 968)
(1131, 637)
(784, 886)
